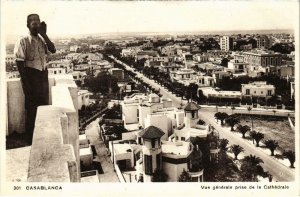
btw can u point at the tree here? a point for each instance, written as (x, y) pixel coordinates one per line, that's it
(231, 121)
(159, 176)
(236, 149)
(272, 145)
(290, 155)
(243, 129)
(257, 136)
(224, 62)
(184, 177)
(251, 168)
(223, 144)
(103, 83)
(221, 116)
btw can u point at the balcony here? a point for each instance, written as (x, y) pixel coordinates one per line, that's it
(54, 153)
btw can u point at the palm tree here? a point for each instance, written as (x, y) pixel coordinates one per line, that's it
(231, 121)
(243, 129)
(251, 167)
(236, 149)
(290, 155)
(218, 115)
(274, 111)
(253, 160)
(272, 145)
(257, 136)
(184, 177)
(222, 117)
(223, 144)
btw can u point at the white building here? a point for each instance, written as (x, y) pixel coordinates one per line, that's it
(67, 65)
(258, 89)
(12, 75)
(79, 76)
(165, 140)
(210, 92)
(226, 43)
(9, 59)
(236, 66)
(204, 81)
(56, 71)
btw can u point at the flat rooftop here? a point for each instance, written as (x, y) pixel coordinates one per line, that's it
(85, 151)
(177, 148)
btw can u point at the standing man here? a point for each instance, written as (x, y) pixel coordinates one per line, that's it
(30, 53)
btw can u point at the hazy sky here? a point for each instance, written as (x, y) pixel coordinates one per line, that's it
(69, 17)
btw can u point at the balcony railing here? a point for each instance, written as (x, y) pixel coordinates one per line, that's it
(54, 155)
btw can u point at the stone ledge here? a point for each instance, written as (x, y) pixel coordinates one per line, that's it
(50, 159)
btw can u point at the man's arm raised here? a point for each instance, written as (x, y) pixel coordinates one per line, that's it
(43, 33)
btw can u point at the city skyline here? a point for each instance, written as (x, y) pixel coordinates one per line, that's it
(129, 17)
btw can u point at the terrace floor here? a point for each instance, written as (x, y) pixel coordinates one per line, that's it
(17, 163)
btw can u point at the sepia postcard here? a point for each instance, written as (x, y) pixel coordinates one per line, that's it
(106, 97)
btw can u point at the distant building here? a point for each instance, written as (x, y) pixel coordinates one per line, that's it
(146, 55)
(10, 59)
(205, 81)
(210, 92)
(258, 89)
(200, 57)
(67, 65)
(118, 73)
(12, 75)
(226, 43)
(56, 71)
(130, 52)
(79, 77)
(236, 66)
(261, 58)
(217, 53)
(219, 75)
(263, 42)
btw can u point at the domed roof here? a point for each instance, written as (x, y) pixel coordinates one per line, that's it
(191, 106)
(151, 132)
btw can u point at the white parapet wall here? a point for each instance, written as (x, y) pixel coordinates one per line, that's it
(54, 155)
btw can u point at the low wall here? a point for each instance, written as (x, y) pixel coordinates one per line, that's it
(119, 174)
(54, 155)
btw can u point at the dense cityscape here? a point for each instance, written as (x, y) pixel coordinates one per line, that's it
(174, 108)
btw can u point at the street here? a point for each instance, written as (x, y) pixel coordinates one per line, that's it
(109, 175)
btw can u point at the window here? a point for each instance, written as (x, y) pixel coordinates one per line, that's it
(262, 92)
(158, 161)
(182, 138)
(254, 92)
(137, 112)
(55, 72)
(193, 114)
(247, 91)
(269, 92)
(148, 164)
(153, 143)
